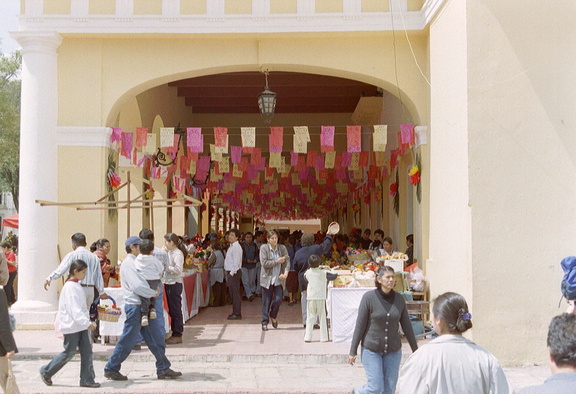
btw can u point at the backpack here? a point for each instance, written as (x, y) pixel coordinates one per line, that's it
(568, 285)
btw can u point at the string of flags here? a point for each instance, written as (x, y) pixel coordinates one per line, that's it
(284, 182)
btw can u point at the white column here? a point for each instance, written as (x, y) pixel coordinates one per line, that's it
(38, 178)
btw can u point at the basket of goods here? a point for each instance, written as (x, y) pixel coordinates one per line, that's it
(365, 278)
(357, 254)
(106, 312)
(343, 280)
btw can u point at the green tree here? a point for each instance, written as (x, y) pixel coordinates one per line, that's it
(10, 66)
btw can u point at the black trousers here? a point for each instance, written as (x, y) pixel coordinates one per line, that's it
(234, 282)
(219, 293)
(9, 288)
(174, 297)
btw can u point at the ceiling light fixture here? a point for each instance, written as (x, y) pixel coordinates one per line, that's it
(267, 101)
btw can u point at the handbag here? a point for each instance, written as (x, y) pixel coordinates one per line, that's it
(11, 386)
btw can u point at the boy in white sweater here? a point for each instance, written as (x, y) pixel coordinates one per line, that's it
(152, 270)
(316, 300)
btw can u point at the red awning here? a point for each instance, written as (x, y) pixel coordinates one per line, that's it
(10, 221)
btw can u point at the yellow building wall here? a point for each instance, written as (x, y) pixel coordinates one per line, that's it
(193, 7)
(375, 6)
(328, 6)
(238, 6)
(57, 7)
(80, 102)
(521, 141)
(449, 267)
(283, 6)
(102, 7)
(82, 180)
(147, 7)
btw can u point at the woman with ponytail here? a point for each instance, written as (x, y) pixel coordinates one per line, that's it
(173, 285)
(452, 363)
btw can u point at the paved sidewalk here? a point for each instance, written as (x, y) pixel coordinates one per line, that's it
(221, 356)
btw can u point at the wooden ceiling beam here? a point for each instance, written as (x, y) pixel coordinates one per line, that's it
(257, 79)
(282, 91)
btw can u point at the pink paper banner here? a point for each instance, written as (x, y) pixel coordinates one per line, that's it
(327, 136)
(127, 144)
(275, 149)
(293, 159)
(236, 153)
(116, 133)
(346, 159)
(220, 136)
(195, 139)
(319, 163)
(277, 136)
(407, 133)
(203, 163)
(141, 136)
(353, 138)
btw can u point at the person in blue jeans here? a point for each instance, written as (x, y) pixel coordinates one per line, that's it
(74, 323)
(380, 313)
(134, 287)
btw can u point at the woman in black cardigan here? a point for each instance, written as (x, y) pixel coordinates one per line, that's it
(379, 315)
(7, 345)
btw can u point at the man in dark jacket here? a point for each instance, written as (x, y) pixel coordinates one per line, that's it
(301, 262)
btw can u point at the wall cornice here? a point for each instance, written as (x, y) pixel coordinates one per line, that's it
(216, 21)
(83, 136)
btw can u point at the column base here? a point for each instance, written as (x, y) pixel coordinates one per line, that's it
(34, 315)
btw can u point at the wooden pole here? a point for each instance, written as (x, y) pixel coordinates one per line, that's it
(152, 215)
(128, 208)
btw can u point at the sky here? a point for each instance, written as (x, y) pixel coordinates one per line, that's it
(8, 22)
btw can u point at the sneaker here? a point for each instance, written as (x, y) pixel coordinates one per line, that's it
(113, 375)
(169, 374)
(144, 321)
(47, 381)
(234, 317)
(153, 314)
(173, 340)
(93, 385)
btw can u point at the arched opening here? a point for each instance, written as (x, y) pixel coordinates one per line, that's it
(313, 100)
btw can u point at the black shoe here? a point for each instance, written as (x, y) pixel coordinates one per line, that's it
(264, 327)
(274, 323)
(92, 385)
(137, 347)
(113, 375)
(251, 298)
(234, 317)
(169, 374)
(316, 327)
(47, 381)
(304, 325)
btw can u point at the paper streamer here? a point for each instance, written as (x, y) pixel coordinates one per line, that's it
(166, 137)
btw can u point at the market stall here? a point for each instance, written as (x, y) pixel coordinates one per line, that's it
(356, 276)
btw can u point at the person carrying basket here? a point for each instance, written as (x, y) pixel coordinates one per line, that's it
(74, 323)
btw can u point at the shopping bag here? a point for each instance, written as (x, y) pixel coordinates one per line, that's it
(11, 387)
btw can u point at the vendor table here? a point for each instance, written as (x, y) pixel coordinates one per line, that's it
(343, 310)
(195, 295)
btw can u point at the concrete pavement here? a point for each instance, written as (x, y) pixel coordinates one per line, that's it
(221, 356)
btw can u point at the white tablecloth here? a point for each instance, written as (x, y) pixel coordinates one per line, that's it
(343, 303)
(115, 329)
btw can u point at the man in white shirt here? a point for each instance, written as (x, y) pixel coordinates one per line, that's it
(233, 265)
(135, 286)
(93, 277)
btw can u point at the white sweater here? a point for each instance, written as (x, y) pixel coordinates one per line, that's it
(149, 267)
(72, 310)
